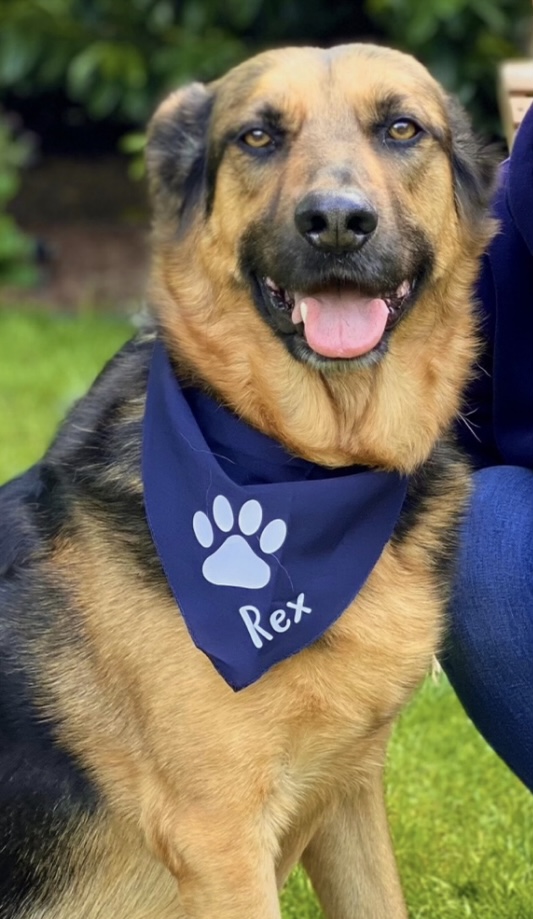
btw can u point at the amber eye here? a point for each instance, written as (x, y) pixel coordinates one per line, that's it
(403, 129)
(257, 138)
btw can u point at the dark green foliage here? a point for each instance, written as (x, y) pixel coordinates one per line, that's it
(15, 249)
(118, 57)
(461, 41)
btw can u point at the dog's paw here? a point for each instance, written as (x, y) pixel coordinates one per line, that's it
(235, 563)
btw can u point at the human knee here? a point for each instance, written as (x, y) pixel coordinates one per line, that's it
(492, 601)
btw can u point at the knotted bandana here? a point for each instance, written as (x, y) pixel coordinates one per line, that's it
(262, 551)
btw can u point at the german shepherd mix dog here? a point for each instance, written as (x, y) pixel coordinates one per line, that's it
(319, 217)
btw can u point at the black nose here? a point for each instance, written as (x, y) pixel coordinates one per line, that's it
(335, 222)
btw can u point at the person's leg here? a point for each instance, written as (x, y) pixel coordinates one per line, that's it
(488, 653)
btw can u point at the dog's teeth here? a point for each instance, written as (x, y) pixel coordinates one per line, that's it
(403, 289)
(297, 312)
(303, 311)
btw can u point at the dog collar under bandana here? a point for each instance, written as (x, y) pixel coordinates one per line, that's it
(262, 551)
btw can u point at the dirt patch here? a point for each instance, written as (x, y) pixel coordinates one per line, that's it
(90, 223)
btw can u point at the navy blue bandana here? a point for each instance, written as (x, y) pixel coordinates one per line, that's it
(262, 551)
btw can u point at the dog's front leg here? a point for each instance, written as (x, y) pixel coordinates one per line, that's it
(351, 862)
(229, 885)
(222, 873)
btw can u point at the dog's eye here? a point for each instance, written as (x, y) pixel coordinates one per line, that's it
(257, 139)
(403, 129)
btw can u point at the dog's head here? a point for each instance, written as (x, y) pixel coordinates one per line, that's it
(319, 215)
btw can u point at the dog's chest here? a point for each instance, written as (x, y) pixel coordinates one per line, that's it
(340, 696)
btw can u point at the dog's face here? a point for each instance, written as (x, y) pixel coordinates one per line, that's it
(319, 210)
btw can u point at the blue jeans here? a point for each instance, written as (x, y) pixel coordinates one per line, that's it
(489, 648)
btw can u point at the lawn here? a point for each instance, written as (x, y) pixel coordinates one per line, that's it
(462, 824)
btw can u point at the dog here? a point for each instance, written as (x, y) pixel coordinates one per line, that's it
(319, 216)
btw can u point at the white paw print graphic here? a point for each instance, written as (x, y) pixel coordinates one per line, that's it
(235, 563)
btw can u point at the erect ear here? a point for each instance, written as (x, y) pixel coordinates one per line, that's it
(177, 148)
(474, 165)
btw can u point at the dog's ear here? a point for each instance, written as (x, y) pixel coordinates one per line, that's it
(474, 165)
(176, 150)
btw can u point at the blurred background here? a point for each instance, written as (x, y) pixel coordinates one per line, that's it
(79, 78)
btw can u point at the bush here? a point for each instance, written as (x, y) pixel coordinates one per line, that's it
(118, 57)
(15, 248)
(461, 42)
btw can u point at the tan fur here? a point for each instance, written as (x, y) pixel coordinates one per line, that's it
(238, 788)
(252, 778)
(403, 406)
(224, 793)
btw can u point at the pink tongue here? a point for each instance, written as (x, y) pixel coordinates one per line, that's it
(341, 324)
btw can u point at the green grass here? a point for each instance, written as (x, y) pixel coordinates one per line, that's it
(462, 824)
(45, 365)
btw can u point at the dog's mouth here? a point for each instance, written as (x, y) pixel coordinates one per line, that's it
(340, 321)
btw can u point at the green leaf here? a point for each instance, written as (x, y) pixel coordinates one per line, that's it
(83, 67)
(135, 142)
(9, 185)
(240, 13)
(19, 51)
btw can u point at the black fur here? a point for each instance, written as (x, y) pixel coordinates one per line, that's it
(99, 437)
(474, 165)
(177, 151)
(43, 790)
(93, 470)
(435, 479)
